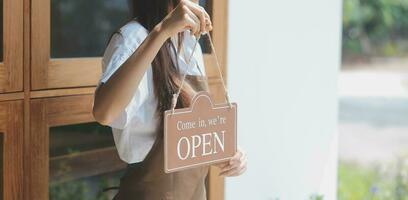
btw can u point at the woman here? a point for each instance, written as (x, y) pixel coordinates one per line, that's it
(142, 70)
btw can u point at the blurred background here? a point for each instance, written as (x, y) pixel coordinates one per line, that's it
(321, 87)
(373, 108)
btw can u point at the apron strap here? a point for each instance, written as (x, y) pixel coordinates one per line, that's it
(176, 95)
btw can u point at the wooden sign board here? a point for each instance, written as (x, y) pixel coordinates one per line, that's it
(199, 135)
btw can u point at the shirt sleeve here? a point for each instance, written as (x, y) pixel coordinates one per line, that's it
(116, 53)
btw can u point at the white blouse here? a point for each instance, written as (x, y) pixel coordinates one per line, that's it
(134, 128)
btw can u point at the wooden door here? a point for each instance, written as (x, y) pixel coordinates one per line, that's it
(63, 72)
(11, 46)
(11, 140)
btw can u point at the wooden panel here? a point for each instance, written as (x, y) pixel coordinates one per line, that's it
(62, 92)
(4, 76)
(40, 43)
(217, 91)
(210, 66)
(11, 126)
(101, 161)
(219, 38)
(36, 153)
(73, 72)
(11, 70)
(28, 173)
(46, 113)
(220, 19)
(69, 110)
(11, 96)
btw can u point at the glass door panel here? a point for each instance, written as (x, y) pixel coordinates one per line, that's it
(82, 28)
(83, 161)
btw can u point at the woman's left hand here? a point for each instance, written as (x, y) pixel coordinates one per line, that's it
(236, 166)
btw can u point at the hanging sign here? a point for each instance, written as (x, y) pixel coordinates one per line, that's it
(199, 135)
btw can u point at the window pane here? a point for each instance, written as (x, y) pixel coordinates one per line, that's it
(82, 28)
(83, 161)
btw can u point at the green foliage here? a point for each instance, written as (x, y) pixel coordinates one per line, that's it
(316, 197)
(84, 189)
(377, 182)
(375, 27)
(68, 191)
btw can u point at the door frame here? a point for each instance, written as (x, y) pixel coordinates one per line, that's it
(11, 129)
(11, 69)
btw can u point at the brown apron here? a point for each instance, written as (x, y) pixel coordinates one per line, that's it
(147, 180)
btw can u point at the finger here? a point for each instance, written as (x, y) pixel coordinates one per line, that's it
(208, 28)
(208, 24)
(196, 20)
(239, 163)
(236, 157)
(196, 8)
(207, 16)
(243, 155)
(222, 164)
(203, 20)
(230, 172)
(200, 13)
(243, 165)
(227, 172)
(233, 162)
(244, 158)
(242, 162)
(190, 24)
(228, 167)
(235, 171)
(241, 171)
(240, 158)
(232, 166)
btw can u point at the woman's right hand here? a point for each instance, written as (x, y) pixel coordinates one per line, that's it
(187, 16)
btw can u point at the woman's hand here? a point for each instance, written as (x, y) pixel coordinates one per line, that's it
(186, 16)
(236, 166)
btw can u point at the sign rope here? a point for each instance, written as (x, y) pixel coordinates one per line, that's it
(176, 95)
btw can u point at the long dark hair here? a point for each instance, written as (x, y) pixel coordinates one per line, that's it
(165, 70)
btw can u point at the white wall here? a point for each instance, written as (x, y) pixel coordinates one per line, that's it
(283, 61)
